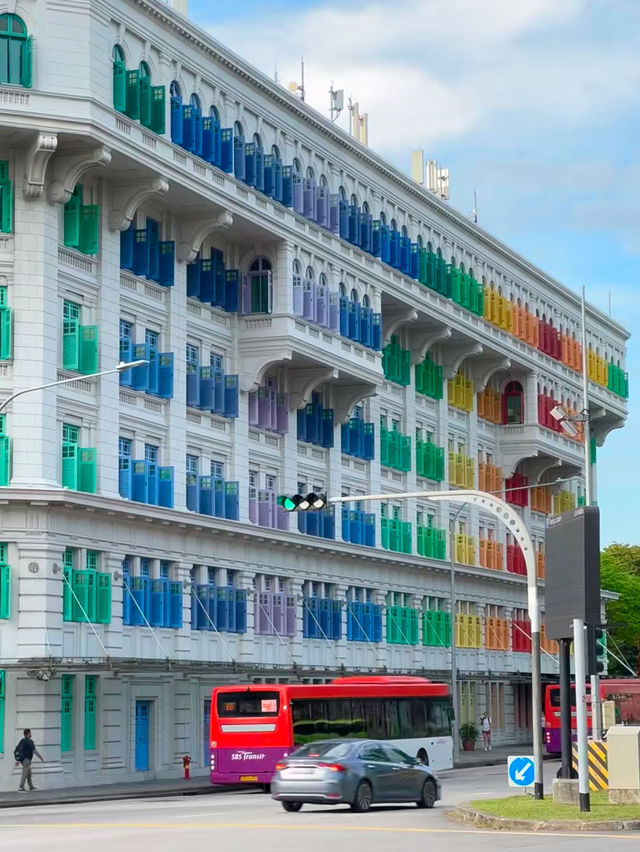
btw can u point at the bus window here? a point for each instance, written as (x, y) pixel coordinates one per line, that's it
(438, 722)
(237, 704)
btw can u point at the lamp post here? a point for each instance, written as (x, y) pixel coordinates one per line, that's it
(454, 663)
(119, 368)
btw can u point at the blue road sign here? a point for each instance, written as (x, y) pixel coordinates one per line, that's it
(520, 770)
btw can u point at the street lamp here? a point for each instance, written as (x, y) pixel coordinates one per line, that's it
(119, 368)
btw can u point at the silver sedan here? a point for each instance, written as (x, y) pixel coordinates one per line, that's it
(354, 772)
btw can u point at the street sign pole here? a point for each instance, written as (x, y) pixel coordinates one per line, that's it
(565, 706)
(581, 712)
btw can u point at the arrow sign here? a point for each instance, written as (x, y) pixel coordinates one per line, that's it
(520, 770)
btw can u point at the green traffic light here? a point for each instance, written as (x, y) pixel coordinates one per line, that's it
(287, 503)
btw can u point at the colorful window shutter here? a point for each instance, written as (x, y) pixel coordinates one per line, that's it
(5, 460)
(70, 466)
(5, 589)
(86, 477)
(6, 199)
(119, 86)
(3, 695)
(6, 333)
(67, 562)
(72, 218)
(158, 109)
(66, 713)
(89, 227)
(132, 94)
(88, 356)
(90, 682)
(26, 63)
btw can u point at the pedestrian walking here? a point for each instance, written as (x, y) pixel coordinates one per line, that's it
(23, 755)
(485, 725)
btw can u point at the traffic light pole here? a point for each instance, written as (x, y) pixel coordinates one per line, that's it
(504, 513)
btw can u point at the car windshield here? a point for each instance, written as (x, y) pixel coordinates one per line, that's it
(328, 750)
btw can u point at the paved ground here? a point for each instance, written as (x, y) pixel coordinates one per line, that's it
(251, 820)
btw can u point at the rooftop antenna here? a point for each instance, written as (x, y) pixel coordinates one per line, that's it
(336, 103)
(294, 87)
(358, 124)
(474, 212)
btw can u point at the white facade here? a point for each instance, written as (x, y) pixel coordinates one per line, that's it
(63, 131)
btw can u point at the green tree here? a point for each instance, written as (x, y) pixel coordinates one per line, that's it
(620, 573)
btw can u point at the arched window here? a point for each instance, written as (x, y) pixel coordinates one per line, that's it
(392, 225)
(354, 296)
(430, 248)
(238, 129)
(354, 200)
(297, 168)
(257, 297)
(119, 79)
(194, 100)
(310, 173)
(15, 52)
(513, 403)
(405, 232)
(296, 267)
(342, 193)
(383, 219)
(275, 151)
(365, 301)
(322, 280)
(214, 114)
(310, 274)
(420, 241)
(365, 208)
(257, 141)
(343, 290)
(323, 180)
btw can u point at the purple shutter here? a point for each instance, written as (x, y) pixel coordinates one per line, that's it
(282, 415)
(265, 508)
(253, 409)
(290, 617)
(334, 313)
(322, 314)
(309, 199)
(297, 296)
(298, 204)
(278, 613)
(322, 206)
(282, 518)
(245, 295)
(334, 215)
(273, 426)
(264, 407)
(308, 299)
(253, 506)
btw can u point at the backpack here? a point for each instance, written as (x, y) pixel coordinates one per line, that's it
(18, 752)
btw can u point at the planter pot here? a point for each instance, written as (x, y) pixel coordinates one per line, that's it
(468, 745)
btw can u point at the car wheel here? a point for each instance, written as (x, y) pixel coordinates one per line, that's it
(266, 788)
(292, 807)
(363, 797)
(423, 756)
(428, 796)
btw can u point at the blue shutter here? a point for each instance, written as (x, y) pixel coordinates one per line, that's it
(218, 497)
(394, 248)
(344, 316)
(324, 616)
(385, 244)
(287, 186)
(197, 132)
(140, 375)
(277, 180)
(153, 369)
(165, 375)
(370, 529)
(140, 481)
(188, 128)
(165, 487)
(376, 331)
(366, 326)
(222, 609)
(226, 149)
(219, 293)
(193, 279)
(269, 175)
(206, 495)
(241, 611)
(159, 596)
(193, 494)
(140, 251)
(166, 263)
(415, 261)
(206, 388)
(343, 219)
(126, 598)
(206, 279)
(354, 321)
(176, 120)
(153, 242)
(231, 290)
(231, 388)
(250, 164)
(125, 478)
(126, 351)
(336, 620)
(375, 238)
(175, 605)
(353, 234)
(259, 184)
(208, 141)
(239, 165)
(138, 593)
(365, 232)
(296, 192)
(218, 391)
(126, 248)
(193, 386)
(377, 623)
(232, 501)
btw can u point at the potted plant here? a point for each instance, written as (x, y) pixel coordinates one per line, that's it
(468, 735)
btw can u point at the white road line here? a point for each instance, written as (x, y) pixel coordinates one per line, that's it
(196, 816)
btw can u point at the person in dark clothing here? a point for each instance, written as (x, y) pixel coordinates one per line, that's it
(23, 754)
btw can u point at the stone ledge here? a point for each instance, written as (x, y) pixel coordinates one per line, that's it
(466, 814)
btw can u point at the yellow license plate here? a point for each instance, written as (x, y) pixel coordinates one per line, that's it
(248, 777)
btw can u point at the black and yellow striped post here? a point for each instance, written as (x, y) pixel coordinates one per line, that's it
(598, 764)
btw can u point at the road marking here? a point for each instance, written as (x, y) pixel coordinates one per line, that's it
(197, 816)
(111, 826)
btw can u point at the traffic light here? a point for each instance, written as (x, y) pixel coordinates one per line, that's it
(596, 650)
(302, 503)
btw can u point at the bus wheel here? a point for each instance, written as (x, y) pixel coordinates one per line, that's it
(423, 756)
(266, 788)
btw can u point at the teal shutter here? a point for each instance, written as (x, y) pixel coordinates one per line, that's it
(90, 712)
(88, 239)
(66, 712)
(5, 591)
(158, 109)
(119, 86)
(67, 563)
(6, 343)
(72, 218)
(3, 696)
(5, 460)
(80, 595)
(6, 205)
(88, 361)
(132, 96)
(70, 466)
(103, 598)
(26, 55)
(86, 478)
(71, 345)
(145, 101)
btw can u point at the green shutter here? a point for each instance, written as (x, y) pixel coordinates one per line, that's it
(26, 75)
(132, 104)
(70, 466)
(67, 597)
(6, 205)
(71, 345)
(66, 712)
(158, 109)
(5, 460)
(72, 218)
(88, 362)
(6, 346)
(87, 470)
(119, 86)
(103, 598)
(89, 237)
(3, 695)
(90, 712)
(4, 171)
(79, 596)
(5, 591)
(145, 101)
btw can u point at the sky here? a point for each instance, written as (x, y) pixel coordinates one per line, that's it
(534, 103)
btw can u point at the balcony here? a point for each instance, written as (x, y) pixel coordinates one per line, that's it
(541, 448)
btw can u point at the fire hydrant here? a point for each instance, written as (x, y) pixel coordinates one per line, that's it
(186, 764)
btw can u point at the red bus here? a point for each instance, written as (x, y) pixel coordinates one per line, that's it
(255, 726)
(624, 692)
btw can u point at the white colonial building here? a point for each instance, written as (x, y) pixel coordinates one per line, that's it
(313, 321)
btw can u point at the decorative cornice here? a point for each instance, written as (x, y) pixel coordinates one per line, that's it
(194, 230)
(37, 160)
(303, 382)
(127, 198)
(69, 168)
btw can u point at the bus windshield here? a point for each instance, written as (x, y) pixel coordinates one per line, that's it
(242, 704)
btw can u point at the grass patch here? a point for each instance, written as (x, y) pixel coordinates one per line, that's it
(526, 807)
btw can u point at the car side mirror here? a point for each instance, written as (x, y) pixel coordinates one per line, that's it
(418, 761)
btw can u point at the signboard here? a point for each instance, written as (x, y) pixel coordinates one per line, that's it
(572, 572)
(520, 770)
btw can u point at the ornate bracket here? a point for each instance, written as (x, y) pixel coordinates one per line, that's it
(394, 318)
(601, 422)
(69, 168)
(37, 160)
(455, 353)
(534, 468)
(304, 382)
(195, 230)
(254, 368)
(345, 396)
(423, 339)
(127, 199)
(484, 368)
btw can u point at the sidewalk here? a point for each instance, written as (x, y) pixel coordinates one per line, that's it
(496, 757)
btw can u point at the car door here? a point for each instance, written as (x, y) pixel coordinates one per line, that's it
(378, 770)
(405, 777)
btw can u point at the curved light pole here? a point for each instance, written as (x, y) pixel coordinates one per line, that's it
(119, 368)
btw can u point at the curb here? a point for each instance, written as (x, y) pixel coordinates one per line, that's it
(466, 814)
(104, 796)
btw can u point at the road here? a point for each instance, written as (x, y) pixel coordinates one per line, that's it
(250, 820)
